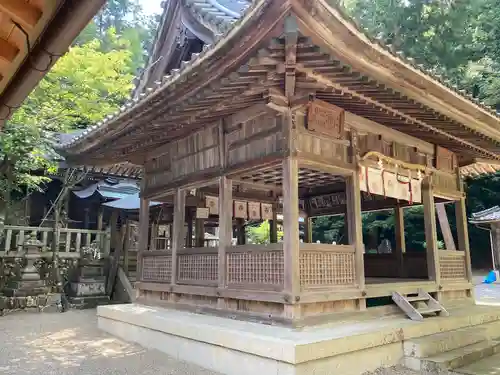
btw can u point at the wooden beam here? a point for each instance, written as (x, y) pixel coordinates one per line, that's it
(225, 225)
(444, 224)
(8, 51)
(430, 231)
(178, 229)
(21, 12)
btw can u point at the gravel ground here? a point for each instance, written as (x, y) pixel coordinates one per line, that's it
(71, 344)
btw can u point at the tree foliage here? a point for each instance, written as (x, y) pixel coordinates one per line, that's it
(93, 79)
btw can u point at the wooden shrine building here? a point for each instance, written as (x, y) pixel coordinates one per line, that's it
(292, 109)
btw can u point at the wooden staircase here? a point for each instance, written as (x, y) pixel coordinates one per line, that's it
(419, 305)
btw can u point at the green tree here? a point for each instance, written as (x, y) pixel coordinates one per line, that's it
(260, 234)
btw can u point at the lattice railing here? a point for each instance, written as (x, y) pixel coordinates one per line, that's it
(156, 268)
(198, 266)
(255, 267)
(324, 266)
(452, 265)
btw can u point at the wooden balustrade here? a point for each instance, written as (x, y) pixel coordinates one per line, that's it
(197, 266)
(452, 265)
(324, 266)
(156, 266)
(71, 242)
(258, 267)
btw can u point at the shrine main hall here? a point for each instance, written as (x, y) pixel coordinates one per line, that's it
(281, 112)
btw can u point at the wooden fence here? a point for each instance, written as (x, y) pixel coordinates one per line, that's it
(70, 243)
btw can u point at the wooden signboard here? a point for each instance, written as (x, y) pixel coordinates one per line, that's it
(267, 211)
(240, 210)
(212, 203)
(445, 159)
(254, 211)
(202, 213)
(326, 118)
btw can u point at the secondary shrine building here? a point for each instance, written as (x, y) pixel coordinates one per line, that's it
(290, 110)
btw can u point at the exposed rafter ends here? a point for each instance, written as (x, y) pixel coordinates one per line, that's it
(8, 52)
(21, 12)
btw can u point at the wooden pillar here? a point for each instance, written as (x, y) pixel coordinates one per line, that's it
(308, 230)
(444, 224)
(291, 226)
(143, 233)
(100, 217)
(240, 230)
(190, 227)
(273, 225)
(225, 224)
(430, 231)
(113, 224)
(178, 229)
(199, 232)
(126, 248)
(400, 239)
(355, 230)
(462, 227)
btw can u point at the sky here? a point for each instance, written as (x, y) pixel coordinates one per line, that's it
(151, 6)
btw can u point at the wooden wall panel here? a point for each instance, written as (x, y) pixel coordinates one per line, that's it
(255, 139)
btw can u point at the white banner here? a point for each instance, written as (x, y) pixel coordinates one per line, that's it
(385, 183)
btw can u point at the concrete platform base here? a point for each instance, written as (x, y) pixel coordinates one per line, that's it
(348, 346)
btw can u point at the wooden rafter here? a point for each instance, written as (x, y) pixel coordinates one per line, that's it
(21, 12)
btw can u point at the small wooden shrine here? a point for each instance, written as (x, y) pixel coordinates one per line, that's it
(293, 110)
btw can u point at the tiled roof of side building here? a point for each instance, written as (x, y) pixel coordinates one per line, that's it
(486, 216)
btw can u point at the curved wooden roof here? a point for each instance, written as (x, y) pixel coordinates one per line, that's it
(33, 35)
(247, 66)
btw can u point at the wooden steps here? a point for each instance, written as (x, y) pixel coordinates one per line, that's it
(419, 305)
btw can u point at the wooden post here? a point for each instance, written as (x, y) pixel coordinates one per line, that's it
(178, 229)
(400, 239)
(430, 231)
(273, 225)
(100, 217)
(355, 230)
(462, 228)
(126, 248)
(113, 224)
(225, 225)
(199, 230)
(308, 235)
(444, 224)
(240, 227)
(189, 234)
(291, 226)
(143, 233)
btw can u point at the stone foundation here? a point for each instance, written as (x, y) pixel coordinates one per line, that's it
(348, 347)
